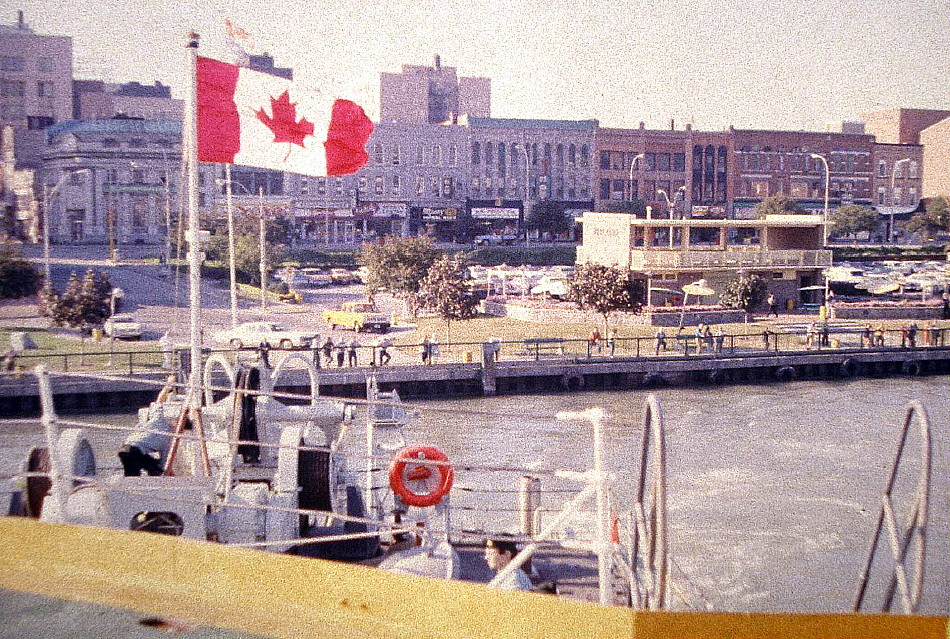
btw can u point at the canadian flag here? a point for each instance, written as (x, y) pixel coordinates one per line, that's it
(256, 119)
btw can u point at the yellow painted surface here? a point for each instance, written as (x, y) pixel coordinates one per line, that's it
(285, 596)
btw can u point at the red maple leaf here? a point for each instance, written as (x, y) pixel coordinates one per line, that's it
(284, 121)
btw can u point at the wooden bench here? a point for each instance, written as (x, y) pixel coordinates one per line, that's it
(543, 346)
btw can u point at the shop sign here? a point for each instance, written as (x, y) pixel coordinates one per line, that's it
(496, 213)
(433, 214)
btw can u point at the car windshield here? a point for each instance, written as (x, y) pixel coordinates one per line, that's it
(120, 319)
(275, 327)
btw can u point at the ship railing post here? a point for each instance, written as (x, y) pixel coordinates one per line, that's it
(529, 502)
(49, 420)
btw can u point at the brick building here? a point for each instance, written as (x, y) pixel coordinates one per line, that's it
(901, 126)
(431, 95)
(936, 159)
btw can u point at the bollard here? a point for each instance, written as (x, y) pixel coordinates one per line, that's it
(529, 503)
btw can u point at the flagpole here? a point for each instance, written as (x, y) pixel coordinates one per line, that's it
(231, 258)
(194, 248)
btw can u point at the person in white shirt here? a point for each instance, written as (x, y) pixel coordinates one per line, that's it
(498, 554)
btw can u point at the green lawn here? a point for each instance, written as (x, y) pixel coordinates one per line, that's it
(60, 352)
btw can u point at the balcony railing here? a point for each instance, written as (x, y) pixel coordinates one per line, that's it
(646, 260)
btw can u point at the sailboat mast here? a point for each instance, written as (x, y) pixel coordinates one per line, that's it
(194, 245)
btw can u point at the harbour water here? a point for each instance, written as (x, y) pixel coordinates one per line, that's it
(773, 490)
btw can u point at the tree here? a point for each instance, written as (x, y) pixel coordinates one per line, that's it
(247, 253)
(636, 207)
(603, 289)
(18, 277)
(547, 216)
(398, 265)
(745, 292)
(445, 290)
(852, 219)
(935, 218)
(776, 205)
(83, 303)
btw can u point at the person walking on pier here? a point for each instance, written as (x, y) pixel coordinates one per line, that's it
(660, 341)
(773, 305)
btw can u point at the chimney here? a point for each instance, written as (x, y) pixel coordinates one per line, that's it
(19, 23)
(672, 124)
(438, 62)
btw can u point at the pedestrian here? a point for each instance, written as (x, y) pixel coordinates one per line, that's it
(316, 355)
(912, 334)
(327, 349)
(424, 350)
(903, 336)
(766, 335)
(708, 337)
(720, 338)
(811, 335)
(825, 334)
(699, 337)
(433, 349)
(8, 363)
(594, 340)
(498, 554)
(384, 355)
(340, 353)
(660, 341)
(879, 336)
(934, 334)
(866, 336)
(612, 341)
(352, 350)
(773, 305)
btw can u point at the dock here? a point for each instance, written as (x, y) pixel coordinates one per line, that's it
(18, 394)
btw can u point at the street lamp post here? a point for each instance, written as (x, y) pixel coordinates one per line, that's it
(824, 226)
(115, 294)
(48, 195)
(232, 265)
(890, 227)
(671, 202)
(260, 211)
(633, 163)
(527, 186)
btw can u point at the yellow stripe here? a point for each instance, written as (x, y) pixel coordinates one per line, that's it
(285, 596)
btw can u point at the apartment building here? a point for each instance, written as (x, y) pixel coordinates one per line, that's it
(36, 74)
(935, 141)
(432, 95)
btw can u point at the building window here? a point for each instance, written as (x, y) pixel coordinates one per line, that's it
(913, 170)
(559, 155)
(304, 185)
(44, 64)
(649, 161)
(572, 156)
(12, 63)
(896, 196)
(476, 153)
(453, 155)
(447, 187)
(911, 196)
(201, 200)
(322, 186)
(434, 186)
(339, 186)
(605, 159)
(378, 154)
(110, 143)
(378, 189)
(585, 155)
(437, 155)
(881, 168)
(44, 89)
(489, 151)
(898, 169)
(476, 186)
(420, 186)
(12, 88)
(397, 153)
(75, 178)
(678, 161)
(880, 195)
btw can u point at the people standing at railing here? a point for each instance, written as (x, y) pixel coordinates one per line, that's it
(811, 335)
(340, 353)
(766, 338)
(384, 355)
(708, 337)
(8, 363)
(934, 334)
(904, 335)
(825, 334)
(879, 336)
(327, 349)
(867, 338)
(425, 350)
(660, 340)
(594, 340)
(612, 341)
(720, 338)
(351, 351)
(699, 337)
(433, 349)
(912, 334)
(773, 304)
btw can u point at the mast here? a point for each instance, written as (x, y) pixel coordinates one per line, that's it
(194, 246)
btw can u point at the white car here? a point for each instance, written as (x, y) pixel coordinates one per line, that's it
(270, 333)
(122, 327)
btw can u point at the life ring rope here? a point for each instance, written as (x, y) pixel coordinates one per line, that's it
(410, 465)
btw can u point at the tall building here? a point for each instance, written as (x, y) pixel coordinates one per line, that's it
(936, 159)
(431, 95)
(36, 75)
(901, 126)
(94, 99)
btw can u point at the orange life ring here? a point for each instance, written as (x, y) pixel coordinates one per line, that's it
(402, 470)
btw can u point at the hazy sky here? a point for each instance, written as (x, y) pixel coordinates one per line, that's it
(797, 64)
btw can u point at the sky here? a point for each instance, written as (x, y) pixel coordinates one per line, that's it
(795, 64)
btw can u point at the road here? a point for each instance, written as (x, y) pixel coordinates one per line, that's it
(150, 296)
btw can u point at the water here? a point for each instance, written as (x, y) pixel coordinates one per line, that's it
(773, 490)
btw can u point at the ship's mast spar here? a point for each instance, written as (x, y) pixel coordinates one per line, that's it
(194, 245)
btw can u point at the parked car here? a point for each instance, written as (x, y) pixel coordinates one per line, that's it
(360, 316)
(342, 276)
(270, 333)
(317, 277)
(122, 327)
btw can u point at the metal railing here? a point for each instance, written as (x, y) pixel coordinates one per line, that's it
(705, 258)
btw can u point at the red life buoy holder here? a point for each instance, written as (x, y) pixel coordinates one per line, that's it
(403, 470)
